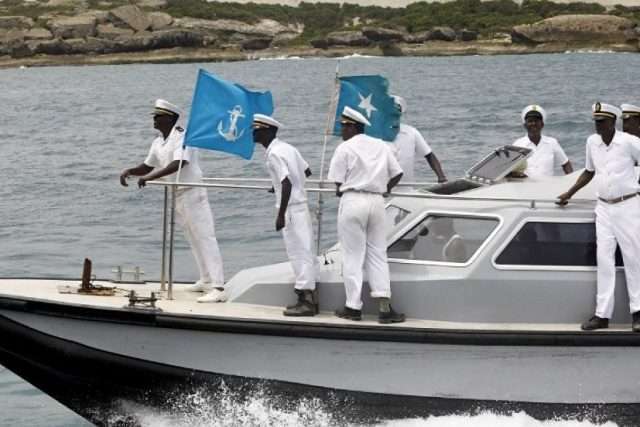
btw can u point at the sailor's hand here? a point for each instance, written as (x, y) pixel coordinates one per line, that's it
(563, 199)
(124, 176)
(142, 182)
(442, 180)
(271, 190)
(280, 222)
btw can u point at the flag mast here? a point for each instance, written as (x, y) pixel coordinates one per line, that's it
(327, 132)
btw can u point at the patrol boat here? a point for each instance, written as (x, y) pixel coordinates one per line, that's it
(493, 276)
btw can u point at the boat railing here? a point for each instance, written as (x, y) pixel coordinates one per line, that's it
(166, 273)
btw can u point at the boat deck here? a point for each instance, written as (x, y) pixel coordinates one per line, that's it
(184, 304)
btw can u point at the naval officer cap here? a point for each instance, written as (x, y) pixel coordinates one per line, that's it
(165, 108)
(629, 110)
(400, 103)
(351, 116)
(602, 111)
(533, 110)
(262, 121)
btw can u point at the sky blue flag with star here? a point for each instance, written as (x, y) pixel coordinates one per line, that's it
(222, 115)
(369, 95)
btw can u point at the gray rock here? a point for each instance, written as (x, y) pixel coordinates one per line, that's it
(159, 40)
(284, 39)
(467, 35)
(390, 49)
(256, 43)
(265, 27)
(38, 34)
(382, 34)
(50, 47)
(420, 37)
(102, 16)
(160, 20)
(13, 37)
(132, 16)
(72, 27)
(443, 33)
(320, 43)
(347, 38)
(110, 32)
(576, 28)
(19, 50)
(153, 4)
(15, 22)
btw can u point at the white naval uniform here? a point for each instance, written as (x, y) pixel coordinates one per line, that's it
(616, 223)
(408, 145)
(545, 156)
(364, 166)
(284, 161)
(192, 205)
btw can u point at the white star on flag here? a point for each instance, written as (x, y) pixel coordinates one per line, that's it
(366, 105)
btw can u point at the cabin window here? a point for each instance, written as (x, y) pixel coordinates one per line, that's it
(553, 244)
(443, 238)
(395, 215)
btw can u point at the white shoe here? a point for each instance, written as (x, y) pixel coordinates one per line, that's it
(200, 286)
(216, 295)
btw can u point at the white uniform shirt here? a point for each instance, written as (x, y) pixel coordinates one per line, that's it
(282, 161)
(545, 156)
(613, 164)
(164, 151)
(363, 163)
(408, 145)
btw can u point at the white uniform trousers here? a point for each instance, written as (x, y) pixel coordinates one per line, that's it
(194, 215)
(619, 223)
(298, 240)
(363, 243)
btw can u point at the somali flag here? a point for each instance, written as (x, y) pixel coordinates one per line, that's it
(369, 95)
(222, 115)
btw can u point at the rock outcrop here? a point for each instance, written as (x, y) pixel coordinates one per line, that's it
(577, 28)
(377, 34)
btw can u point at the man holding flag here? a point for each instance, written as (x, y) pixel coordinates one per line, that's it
(166, 156)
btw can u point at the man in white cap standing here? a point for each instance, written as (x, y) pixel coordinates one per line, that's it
(546, 152)
(192, 204)
(611, 156)
(288, 172)
(364, 169)
(410, 144)
(631, 119)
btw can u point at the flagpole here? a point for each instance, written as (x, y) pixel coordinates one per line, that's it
(330, 117)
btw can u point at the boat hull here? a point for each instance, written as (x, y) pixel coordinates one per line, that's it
(90, 359)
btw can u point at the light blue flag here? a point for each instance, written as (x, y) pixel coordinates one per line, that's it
(369, 95)
(222, 115)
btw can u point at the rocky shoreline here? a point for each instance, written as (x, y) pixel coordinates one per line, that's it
(130, 34)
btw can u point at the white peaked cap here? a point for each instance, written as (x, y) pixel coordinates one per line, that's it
(400, 102)
(602, 110)
(165, 107)
(533, 107)
(354, 116)
(629, 110)
(262, 121)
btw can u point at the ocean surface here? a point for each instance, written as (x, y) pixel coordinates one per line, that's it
(67, 132)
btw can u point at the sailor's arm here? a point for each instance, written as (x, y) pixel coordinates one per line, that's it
(141, 169)
(393, 182)
(284, 203)
(435, 165)
(168, 170)
(307, 172)
(567, 167)
(584, 178)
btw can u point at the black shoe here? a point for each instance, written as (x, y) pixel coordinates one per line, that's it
(390, 317)
(300, 295)
(595, 323)
(635, 326)
(302, 309)
(349, 314)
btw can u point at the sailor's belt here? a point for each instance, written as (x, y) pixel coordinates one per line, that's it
(618, 199)
(362, 191)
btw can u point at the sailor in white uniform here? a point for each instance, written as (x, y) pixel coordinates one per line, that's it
(547, 153)
(631, 119)
(192, 204)
(611, 156)
(364, 169)
(288, 172)
(409, 145)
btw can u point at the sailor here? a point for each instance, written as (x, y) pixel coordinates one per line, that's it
(288, 172)
(364, 169)
(409, 143)
(192, 204)
(631, 119)
(546, 152)
(610, 157)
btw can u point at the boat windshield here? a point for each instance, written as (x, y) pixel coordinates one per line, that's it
(395, 215)
(443, 238)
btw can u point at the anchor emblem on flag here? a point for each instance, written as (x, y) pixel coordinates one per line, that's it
(231, 134)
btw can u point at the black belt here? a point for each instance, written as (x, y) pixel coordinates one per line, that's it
(361, 191)
(618, 199)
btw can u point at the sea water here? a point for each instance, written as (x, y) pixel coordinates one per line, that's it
(67, 132)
